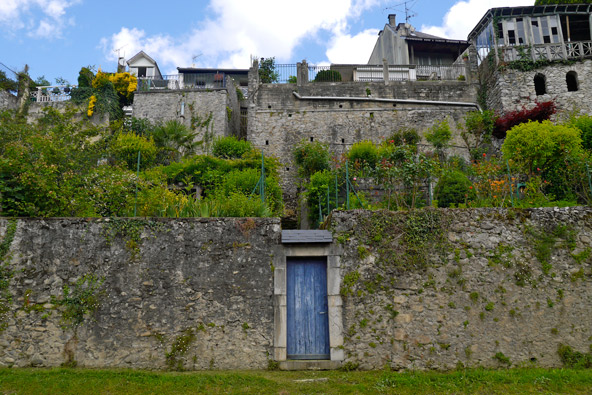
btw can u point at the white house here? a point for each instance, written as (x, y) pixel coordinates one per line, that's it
(143, 66)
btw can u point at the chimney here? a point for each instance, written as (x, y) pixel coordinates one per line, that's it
(392, 18)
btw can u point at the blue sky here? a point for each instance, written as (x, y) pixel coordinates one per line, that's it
(58, 37)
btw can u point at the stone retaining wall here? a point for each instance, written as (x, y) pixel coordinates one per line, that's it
(7, 101)
(192, 108)
(193, 293)
(429, 289)
(278, 121)
(483, 295)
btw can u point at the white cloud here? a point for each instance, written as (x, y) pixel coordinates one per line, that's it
(243, 28)
(44, 18)
(464, 15)
(347, 49)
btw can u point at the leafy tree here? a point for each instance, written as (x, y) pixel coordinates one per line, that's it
(316, 191)
(477, 132)
(311, 157)
(328, 76)
(584, 123)
(402, 171)
(7, 84)
(44, 167)
(267, 71)
(404, 136)
(41, 81)
(363, 153)
(439, 136)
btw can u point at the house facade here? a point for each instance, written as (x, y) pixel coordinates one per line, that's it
(535, 54)
(552, 32)
(143, 66)
(402, 44)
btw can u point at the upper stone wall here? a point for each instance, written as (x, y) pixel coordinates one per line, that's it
(510, 90)
(278, 121)
(7, 101)
(189, 107)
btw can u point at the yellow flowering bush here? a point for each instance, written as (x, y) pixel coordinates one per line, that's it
(125, 84)
(91, 106)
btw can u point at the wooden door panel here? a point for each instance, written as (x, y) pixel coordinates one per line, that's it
(308, 322)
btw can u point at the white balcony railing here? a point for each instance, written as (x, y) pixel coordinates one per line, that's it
(551, 52)
(52, 93)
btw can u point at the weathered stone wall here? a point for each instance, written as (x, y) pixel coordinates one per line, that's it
(7, 101)
(36, 111)
(423, 289)
(483, 292)
(189, 107)
(510, 90)
(196, 290)
(278, 120)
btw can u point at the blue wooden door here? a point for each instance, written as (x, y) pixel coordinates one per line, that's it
(308, 318)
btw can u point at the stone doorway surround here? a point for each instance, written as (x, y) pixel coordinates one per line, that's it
(308, 243)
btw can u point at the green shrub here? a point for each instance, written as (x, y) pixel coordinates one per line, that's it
(574, 359)
(110, 190)
(364, 153)
(316, 190)
(230, 147)
(584, 123)
(311, 157)
(126, 147)
(404, 136)
(536, 145)
(328, 76)
(244, 182)
(174, 140)
(237, 204)
(439, 136)
(139, 126)
(477, 132)
(453, 188)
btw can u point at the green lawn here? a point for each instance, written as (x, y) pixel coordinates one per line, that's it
(83, 381)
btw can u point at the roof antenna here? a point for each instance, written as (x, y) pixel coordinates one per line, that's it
(120, 59)
(407, 9)
(193, 59)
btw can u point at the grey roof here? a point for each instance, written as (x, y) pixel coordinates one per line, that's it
(306, 236)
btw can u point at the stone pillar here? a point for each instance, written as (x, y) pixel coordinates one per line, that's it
(253, 77)
(23, 90)
(302, 73)
(385, 71)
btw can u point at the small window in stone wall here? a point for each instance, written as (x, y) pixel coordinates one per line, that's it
(571, 79)
(540, 84)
